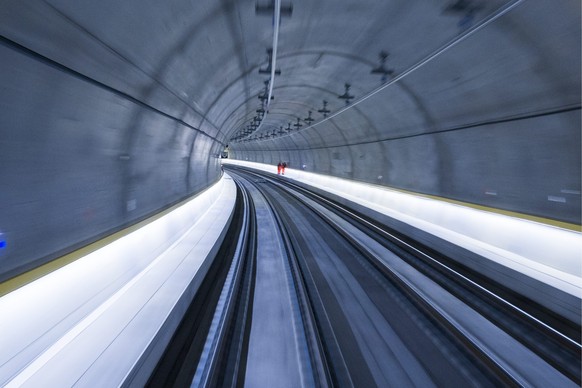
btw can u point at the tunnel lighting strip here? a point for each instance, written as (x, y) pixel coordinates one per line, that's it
(500, 12)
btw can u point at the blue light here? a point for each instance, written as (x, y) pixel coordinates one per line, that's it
(2, 244)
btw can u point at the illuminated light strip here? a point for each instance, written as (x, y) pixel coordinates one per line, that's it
(555, 198)
(544, 252)
(194, 216)
(43, 270)
(523, 216)
(540, 220)
(65, 340)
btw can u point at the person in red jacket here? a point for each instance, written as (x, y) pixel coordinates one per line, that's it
(279, 168)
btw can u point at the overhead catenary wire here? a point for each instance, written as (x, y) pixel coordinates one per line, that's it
(273, 64)
(490, 19)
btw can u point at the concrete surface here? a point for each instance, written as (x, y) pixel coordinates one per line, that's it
(111, 111)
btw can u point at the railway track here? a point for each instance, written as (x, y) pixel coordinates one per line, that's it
(317, 295)
(554, 338)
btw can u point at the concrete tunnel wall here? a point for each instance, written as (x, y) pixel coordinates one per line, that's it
(494, 120)
(111, 111)
(86, 147)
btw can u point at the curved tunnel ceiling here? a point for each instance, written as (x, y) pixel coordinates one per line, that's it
(200, 61)
(203, 59)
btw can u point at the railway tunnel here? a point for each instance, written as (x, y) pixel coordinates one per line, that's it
(452, 124)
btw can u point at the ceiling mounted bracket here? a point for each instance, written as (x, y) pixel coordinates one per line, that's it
(268, 9)
(324, 110)
(267, 70)
(381, 69)
(346, 96)
(298, 123)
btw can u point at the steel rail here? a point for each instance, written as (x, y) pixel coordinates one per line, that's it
(208, 367)
(319, 364)
(481, 356)
(494, 366)
(379, 230)
(521, 316)
(311, 297)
